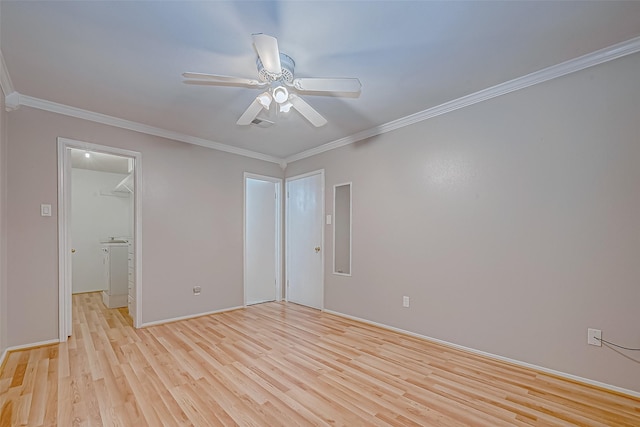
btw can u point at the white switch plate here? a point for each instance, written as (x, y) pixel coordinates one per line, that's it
(594, 336)
(405, 301)
(328, 219)
(45, 210)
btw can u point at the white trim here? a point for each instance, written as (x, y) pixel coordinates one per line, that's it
(322, 227)
(493, 356)
(12, 101)
(5, 79)
(8, 350)
(32, 345)
(322, 215)
(138, 190)
(64, 271)
(64, 248)
(79, 113)
(305, 175)
(278, 182)
(333, 223)
(601, 56)
(3, 238)
(190, 316)
(571, 66)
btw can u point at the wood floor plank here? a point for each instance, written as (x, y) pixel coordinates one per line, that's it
(279, 364)
(64, 415)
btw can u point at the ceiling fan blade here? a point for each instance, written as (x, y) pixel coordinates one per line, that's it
(262, 101)
(212, 83)
(250, 114)
(310, 84)
(267, 47)
(227, 80)
(307, 111)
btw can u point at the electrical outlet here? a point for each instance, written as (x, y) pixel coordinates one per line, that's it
(405, 301)
(197, 290)
(594, 336)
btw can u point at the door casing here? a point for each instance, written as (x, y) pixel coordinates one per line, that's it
(64, 228)
(278, 230)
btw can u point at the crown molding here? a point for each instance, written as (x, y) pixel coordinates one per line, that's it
(571, 66)
(79, 113)
(11, 97)
(13, 100)
(5, 79)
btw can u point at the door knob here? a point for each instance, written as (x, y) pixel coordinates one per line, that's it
(73, 251)
(317, 249)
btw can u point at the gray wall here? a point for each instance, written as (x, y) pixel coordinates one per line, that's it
(513, 224)
(192, 204)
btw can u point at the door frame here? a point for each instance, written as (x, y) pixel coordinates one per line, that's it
(322, 215)
(64, 229)
(278, 266)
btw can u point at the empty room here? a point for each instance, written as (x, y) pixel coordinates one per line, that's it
(312, 213)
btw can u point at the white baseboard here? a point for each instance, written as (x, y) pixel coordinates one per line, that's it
(32, 345)
(383, 326)
(26, 347)
(191, 316)
(494, 356)
(157, 322)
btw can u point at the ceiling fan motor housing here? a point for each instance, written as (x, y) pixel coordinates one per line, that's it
(286, 74)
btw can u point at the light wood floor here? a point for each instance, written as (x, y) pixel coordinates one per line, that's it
(279, 364)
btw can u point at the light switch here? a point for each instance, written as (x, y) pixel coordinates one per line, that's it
(45, 210)
(328, 219)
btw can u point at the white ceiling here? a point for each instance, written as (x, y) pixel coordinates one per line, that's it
(125, 59)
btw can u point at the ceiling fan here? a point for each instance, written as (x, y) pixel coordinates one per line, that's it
(275, 73)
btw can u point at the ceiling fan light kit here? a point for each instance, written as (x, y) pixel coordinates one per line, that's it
(285, 107)
(276, 71)
(280, 94)
(265, 100)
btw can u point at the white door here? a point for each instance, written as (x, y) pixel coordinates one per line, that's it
(261, 240)
(305, 209)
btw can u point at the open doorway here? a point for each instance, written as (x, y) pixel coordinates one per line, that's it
(262, 241)
(99, 227)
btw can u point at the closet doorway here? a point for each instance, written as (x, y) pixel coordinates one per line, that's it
(262, 241)
(99, 227)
